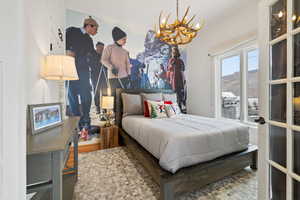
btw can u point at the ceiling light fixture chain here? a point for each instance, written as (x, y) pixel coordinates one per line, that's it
(177, 10)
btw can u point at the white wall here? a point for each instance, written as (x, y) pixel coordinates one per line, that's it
(26, 31)
(224, 33)
(43, 20)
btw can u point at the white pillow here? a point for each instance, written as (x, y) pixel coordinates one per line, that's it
(151, 97)
(170, 97)
(132, 104)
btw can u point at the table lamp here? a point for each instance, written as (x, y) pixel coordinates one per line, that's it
(107, 103)
(59, 67)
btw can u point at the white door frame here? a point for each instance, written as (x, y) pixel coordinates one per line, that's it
(13, 129)
(263, 137)
(263, 170)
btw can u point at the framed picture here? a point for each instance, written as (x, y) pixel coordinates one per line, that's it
(44, 116)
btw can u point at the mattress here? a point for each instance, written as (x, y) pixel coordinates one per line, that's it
(185, 140)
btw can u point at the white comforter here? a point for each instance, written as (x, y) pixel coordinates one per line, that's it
(185, 140)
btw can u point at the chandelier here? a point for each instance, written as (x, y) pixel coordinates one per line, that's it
(180, 32)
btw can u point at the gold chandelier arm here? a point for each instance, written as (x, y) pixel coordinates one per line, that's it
(180, 36)
(186, 12)
(185, 34)
(159, 19)
(188, 41)
(191, 20)
(168, 18)
(185, 40)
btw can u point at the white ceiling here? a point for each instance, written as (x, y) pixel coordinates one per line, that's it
(140, 15)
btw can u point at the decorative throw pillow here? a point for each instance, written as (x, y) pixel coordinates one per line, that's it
(157, 109)
(151, 97)
(169, 110)
(132, 104)
(176, 108)
(172, 109)
(146, 107)
(170, 97)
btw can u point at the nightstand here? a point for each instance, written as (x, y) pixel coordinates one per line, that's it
(109, 137)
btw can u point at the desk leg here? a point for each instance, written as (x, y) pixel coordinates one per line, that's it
(57, 175)
(75, 141)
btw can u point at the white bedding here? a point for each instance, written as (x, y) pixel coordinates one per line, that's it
(185, 140)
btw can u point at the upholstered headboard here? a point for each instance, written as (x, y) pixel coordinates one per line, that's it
(119, 103)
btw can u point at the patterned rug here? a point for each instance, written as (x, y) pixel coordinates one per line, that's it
(115, 174)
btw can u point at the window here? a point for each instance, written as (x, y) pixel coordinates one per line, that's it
(237, 75)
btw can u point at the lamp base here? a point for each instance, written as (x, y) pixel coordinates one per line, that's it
(107, 124)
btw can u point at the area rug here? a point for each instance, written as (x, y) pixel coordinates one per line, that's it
(115, 174)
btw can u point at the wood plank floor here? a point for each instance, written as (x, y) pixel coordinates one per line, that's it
(83, 149)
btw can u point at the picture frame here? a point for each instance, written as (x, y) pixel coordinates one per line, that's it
(42, 117)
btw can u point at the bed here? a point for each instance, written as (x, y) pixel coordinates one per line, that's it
(183, 162)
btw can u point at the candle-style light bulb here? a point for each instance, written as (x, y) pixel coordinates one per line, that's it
(158, 32)
(280, 14)
(294, 17)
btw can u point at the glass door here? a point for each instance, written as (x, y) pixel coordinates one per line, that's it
(279, 137)
(252, 89)
(230, 87)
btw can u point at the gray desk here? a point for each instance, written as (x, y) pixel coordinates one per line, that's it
(47, 154)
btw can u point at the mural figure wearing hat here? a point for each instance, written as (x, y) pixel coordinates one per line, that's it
(116, 59)
(80, 45)
(99, 77)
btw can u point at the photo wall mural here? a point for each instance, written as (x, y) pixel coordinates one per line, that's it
(109, 56)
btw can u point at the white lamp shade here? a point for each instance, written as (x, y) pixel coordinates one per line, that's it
(107, 102)
(59, 67)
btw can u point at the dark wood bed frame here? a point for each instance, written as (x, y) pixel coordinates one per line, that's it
(188, 178)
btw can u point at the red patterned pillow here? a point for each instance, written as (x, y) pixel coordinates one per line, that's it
(146, 107)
